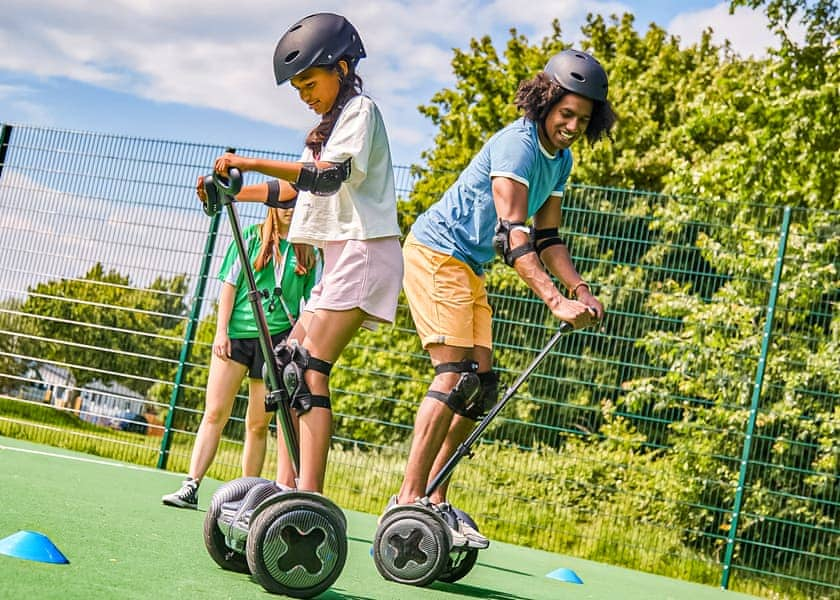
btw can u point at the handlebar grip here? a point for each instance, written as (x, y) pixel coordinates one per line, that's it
(231, 184)
(566, 327)
(212, 205)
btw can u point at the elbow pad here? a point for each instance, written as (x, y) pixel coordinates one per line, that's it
(273, 199)
(322, 182)
(544, 238)
(501, 241)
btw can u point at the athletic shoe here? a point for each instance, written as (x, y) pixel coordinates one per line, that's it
(472, 538)
(186, 497)
(392, 502)
(458, 538)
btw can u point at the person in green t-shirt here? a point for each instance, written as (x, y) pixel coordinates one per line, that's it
(286, 285)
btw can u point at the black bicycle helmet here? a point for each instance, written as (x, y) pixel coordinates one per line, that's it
(579, 73)
(318, 40)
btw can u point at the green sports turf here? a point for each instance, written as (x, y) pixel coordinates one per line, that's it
(107, 518)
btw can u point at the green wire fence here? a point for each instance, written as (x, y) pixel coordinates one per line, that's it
(694, 434)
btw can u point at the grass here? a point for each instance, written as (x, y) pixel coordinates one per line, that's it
(509, 508)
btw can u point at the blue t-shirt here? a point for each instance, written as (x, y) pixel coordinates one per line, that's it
(463, 222)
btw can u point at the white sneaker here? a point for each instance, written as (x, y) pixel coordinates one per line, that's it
(186, 497)
(474, 538)
(392, 502)
(464, 535)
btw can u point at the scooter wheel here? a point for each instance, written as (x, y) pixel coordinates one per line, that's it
(297, 546)
(411, 545)
(214, 538)
(461, 560)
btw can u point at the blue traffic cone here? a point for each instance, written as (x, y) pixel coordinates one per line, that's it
(31, 545)
(566, 575)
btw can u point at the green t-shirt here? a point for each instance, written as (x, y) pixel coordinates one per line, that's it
(294, 289)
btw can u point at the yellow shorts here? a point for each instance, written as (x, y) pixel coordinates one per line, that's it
(448, 301)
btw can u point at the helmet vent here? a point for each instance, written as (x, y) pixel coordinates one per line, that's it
(291, 56)
(578, 76)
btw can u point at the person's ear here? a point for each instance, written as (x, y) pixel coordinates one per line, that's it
(343, 68)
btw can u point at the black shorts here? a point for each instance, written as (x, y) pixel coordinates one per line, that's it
(247, 352)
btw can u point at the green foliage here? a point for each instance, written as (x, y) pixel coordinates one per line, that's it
(100, 325)
(685, 276)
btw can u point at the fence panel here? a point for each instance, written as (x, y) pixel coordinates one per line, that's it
(693, 434)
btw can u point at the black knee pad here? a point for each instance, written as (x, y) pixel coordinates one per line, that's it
(466, 389)
(300, 361)
(486, 398)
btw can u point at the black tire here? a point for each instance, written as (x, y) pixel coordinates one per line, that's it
(214, 538)
(411, 546)
(317, 525)
(460, 562)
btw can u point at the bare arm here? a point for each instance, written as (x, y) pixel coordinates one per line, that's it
(511, 200)
(221, 343)
(557, 259)
(256, 192)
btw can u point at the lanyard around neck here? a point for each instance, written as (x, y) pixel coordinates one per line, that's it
(279, 269)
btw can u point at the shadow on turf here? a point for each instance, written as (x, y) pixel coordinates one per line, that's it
(474, 592)
(456, 588)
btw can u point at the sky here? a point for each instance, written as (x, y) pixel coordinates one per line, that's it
(201, 71)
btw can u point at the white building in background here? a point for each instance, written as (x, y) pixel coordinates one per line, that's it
(48, 383)
(109, 404)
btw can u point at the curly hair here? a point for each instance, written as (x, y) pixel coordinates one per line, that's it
(350, 85)
(538, 95)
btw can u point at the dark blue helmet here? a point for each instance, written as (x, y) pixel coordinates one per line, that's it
(318, 40)
(579, 73)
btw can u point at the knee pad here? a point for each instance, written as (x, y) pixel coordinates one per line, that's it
(282, 357)
(300, 361)
(485, 399)
(466, 389)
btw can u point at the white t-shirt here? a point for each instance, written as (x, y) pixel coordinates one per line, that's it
(365, 206)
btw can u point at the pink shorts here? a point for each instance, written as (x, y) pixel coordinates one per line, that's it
(365, 274)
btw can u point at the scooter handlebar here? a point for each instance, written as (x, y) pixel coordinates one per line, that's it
(230, 185)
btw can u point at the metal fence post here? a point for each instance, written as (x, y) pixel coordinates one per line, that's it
(189, 338)
(5, 135)
(756, 396)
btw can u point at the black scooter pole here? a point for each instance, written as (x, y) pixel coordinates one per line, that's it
(227, 189)
(464, 448)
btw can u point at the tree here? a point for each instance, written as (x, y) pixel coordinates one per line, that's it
(106, 329)
(686, 275)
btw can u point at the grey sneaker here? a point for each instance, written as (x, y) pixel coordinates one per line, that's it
(458, 538)
(392, 502)
(186, 497)
(470, 535)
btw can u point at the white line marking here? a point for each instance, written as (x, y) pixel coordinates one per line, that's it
(91, 460)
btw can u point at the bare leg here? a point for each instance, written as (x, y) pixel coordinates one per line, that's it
(256, 429)
(431, 425)
(327, 333)
(286, 474)
(222, 385)
(459, 430)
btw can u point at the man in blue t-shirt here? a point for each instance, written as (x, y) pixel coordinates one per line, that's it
(518, 175)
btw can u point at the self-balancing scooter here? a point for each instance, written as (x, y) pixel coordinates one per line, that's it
(292, 542)
(413, 543)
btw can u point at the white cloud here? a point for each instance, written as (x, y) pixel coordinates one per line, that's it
(209, 54)
(746, 29)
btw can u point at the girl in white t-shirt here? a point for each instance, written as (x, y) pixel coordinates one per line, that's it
(346, 205)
